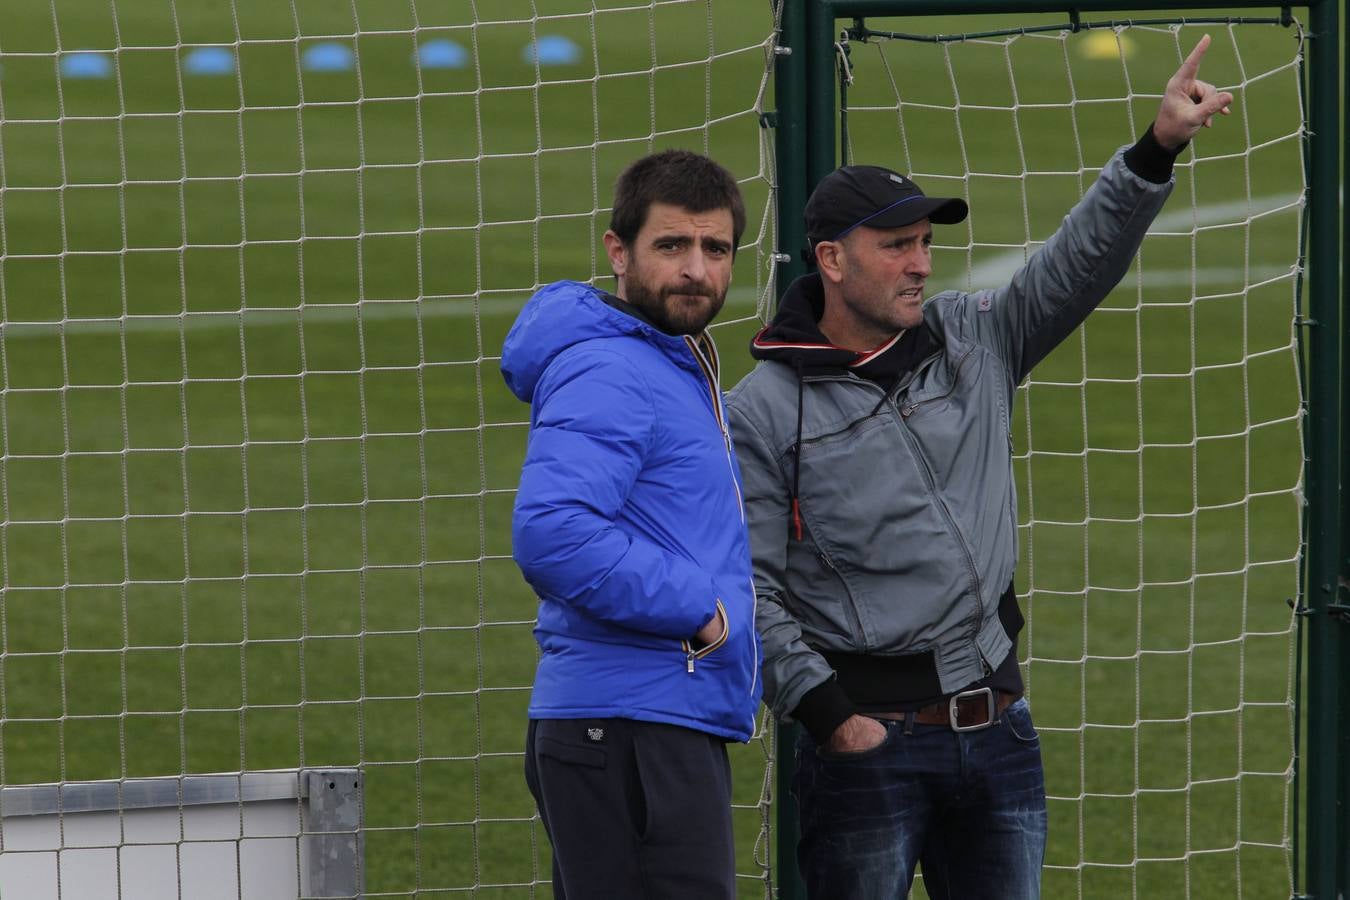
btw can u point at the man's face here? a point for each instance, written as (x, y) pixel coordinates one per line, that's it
(678, 268)
(882, 272)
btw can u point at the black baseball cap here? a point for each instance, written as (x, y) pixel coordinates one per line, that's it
(870, 195)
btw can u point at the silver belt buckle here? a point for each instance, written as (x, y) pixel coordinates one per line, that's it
(954, 720)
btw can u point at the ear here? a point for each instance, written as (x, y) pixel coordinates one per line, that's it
(830, 260)
(617, 253)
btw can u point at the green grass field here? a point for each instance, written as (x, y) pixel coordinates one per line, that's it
(259, 461)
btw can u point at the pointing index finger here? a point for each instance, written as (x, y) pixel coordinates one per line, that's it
(1191, 66)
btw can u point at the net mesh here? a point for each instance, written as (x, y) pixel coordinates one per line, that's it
(257, 263)
(258, 260)
(1157, 451)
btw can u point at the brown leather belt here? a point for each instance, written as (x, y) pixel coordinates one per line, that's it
(966, 711)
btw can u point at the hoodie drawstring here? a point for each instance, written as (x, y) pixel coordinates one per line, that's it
(797, 457)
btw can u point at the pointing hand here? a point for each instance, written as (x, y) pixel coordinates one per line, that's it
(1188, 103)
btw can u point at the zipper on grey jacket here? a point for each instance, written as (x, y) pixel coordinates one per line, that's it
(942, 505)
(915, 404)
(916, 371)
(946, 514)
(905, 413)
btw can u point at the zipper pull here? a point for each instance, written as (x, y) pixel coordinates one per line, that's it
(906, 410)
(691, 662)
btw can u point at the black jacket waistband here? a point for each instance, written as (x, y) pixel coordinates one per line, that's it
(866, 683)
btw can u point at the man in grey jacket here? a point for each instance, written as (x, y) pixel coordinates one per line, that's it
(876, 456)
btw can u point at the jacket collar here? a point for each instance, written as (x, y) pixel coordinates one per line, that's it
(567, 313)
(701, 344)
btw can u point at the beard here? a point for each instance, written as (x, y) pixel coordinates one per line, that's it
(682, 309)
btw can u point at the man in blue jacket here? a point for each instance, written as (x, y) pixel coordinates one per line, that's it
(877, 461)
(630, 528)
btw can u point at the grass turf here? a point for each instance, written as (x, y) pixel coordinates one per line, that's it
(259, 462)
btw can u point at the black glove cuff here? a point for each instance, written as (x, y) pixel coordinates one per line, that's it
(823, 709)
(1150, 160)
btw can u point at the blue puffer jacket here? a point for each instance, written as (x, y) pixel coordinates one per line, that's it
(629, 523)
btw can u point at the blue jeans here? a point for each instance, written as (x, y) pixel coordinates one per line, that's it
(968, 807)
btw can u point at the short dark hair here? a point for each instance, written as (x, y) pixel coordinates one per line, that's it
(680, 178)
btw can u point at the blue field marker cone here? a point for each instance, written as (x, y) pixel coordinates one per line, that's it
(328, 57)
(86, 64)
(441, 53)
(209, 61)
(552, 50)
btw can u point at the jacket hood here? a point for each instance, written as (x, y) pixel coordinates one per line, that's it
(794, 338)
(559, 316)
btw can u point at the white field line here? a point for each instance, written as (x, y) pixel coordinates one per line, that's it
(988, 273)
(466, 307)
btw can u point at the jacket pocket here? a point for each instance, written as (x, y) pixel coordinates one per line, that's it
(1017, 718)
(692, 655)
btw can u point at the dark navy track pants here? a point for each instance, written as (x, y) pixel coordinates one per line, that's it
(633, 809)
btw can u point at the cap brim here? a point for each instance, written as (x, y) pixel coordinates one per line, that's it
(938, 210)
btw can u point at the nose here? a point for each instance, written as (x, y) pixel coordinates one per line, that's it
(920, 263)
(695, 265)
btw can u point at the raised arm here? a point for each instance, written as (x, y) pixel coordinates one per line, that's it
(1087, 256)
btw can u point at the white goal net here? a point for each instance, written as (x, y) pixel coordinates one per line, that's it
(257, 260)
(256, 263)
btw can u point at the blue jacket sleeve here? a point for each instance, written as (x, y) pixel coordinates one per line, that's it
(593, 426)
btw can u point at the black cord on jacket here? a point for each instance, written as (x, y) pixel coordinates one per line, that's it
(797, 456)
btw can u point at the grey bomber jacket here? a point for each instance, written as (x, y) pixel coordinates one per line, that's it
(908, 498)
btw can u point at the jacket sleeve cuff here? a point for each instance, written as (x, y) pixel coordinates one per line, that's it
(823, 709)
(1150, 160)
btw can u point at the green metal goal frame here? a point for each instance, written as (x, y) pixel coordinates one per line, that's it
(805, 121)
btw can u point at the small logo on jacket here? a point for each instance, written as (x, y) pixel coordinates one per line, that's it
(595, 735)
